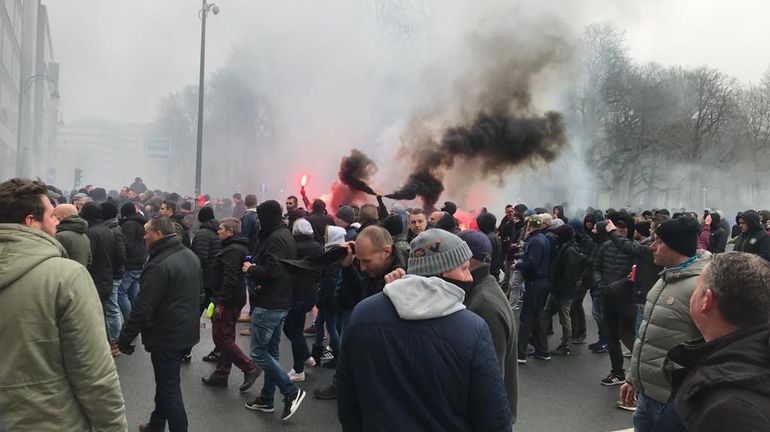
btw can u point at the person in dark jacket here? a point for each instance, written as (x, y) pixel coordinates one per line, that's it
(71, 233)
(319, 220)
(447, 222)
(239, 208)
(273, 301)
(486, 223)
(611, 270)
(250, 225)
(327, 298)
(138, 186)
(229, 297)
(565, 274)
(110, 214)
(586, 246)
(717, 241)
(346, 215)
(720, 381)
(168, 209)
(206, 246)
(485, 299)
(304, 297)
(419, 323)
(753, 237)
(132, 227)
(166, 313)
(534, 267)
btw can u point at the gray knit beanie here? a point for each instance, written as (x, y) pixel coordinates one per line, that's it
(436, 251)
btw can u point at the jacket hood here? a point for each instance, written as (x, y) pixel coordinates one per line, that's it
(136, 217)
(111, 223)
(236, 239)
(752, 218)
(74, 224)
(487, 222)
(22, 249)
(212, 225)
(420, 298)
(179, 218)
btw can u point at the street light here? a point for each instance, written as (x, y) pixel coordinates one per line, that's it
(22, 152)
(205, 9)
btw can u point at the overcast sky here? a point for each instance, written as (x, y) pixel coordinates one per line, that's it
(118, 58)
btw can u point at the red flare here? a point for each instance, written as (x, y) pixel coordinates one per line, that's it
(303, 182)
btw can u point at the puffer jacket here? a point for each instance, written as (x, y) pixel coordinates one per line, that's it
(227, 278)
(611, 267)
(755, 240)
(646, 270)
(57, 373)
(119, 250)
(665, 324)
(71, 233)
(206, 246)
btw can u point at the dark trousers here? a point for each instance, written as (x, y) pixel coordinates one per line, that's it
(578, 314)
(620, 321)
(223, 333)
(531, 329)
(293, 329)
(169, 406)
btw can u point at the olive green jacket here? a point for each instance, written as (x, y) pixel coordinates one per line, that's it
(57, 373)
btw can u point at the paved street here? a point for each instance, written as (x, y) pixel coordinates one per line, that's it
(558, 395)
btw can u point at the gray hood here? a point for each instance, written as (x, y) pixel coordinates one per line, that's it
(420, 298)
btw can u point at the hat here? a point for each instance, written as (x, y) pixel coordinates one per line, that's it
(109, 210)
(79, 196)
(479, 243)
(205, 214)
(564, 233)
(535, 221)
(128, 209)
(436, 251)
(347, 214)
(269, 213)
(449, 207)
(393, 224)
(680, 234)
(302, 227)
(186, 205)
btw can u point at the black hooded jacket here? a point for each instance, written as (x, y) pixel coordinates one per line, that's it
(566, 271)
(306, 281)
(133, 233)
(206, 246)
(227, 278)
(274, 282)
(755, 240)
(102, 249)
(611, 265)
(486, 223)
(720, 385)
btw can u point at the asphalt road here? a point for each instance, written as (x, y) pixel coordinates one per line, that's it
(562, 394)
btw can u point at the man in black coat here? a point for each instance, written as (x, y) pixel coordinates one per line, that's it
(753, 237)
(166, 313)
(103, 246)
(486, 222)
(273, 300)
(720, 381)
(229, 297)
(565, 274)
(319, 220)
(132, 227)
(206, 246)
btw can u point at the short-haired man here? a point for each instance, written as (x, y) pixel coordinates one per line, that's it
(424, 313)
(666, 321)
(57, 372)
(291, 203)
(753, 237)
(417, 223)
(168, 209)
(71, 233)
(229, 297)
(238, 206)
(720, 381)
(166, 313)
(345, 218)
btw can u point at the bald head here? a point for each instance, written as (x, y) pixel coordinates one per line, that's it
(63, 211)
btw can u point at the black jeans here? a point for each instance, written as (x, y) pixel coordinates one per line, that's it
(531, 317)
(169, 406)
(579, 324)
(293, 329)
(620, 321)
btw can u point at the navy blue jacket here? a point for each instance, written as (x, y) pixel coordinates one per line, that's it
(537, 256)
(439, 374)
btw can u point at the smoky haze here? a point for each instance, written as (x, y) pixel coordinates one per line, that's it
(389, 78)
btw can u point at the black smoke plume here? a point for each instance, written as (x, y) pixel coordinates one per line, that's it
(498, 142)
(355, 170)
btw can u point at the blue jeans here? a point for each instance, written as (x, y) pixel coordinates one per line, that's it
(293, 329)
(128, 290)
(266, 325)
(647, 413)
(112, 312)
(327, 318)
(169, 406)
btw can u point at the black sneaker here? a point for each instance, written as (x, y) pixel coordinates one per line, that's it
(212, 357)
(539, 355)
(249, 378)
(599, 348)
(562, 350)
(326, 393)
(215, 381)
(262, 405)
(613, 380)
(291, 404)
(187, 358)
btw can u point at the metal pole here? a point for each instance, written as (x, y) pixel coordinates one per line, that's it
(199, 149)
(21, 159)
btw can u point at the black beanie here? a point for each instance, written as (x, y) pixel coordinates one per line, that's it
(92, 213)
(394, 224)
(128, 209)
(680, 234)
(449, 207)
(269, 213)
(643, 228)
(109, 210)
(205, 214)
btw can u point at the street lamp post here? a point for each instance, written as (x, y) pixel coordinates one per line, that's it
(22, 147)
(205, 9)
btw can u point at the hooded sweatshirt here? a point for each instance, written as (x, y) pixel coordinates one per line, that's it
(415, 359)
(57, 372)
(755, 240)
(71, 233)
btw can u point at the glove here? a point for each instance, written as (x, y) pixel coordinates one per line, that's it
(126, 348)
(218, 310)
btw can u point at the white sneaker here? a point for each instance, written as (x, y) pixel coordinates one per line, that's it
(310, 362)
(296, 377)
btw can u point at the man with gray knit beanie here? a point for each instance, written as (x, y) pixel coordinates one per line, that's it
(414, 358)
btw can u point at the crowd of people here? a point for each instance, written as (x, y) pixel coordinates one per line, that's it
(426, 320)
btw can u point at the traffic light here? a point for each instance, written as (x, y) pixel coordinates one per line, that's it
(78, 177)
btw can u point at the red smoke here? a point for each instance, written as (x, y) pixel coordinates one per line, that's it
(466, 220)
